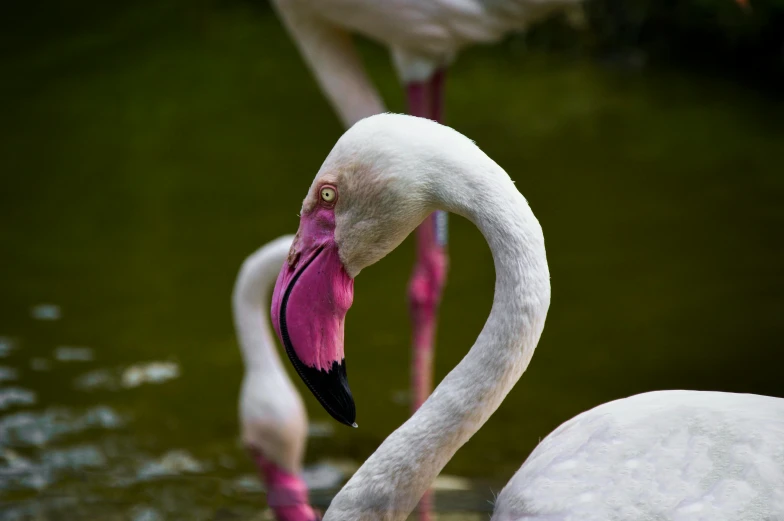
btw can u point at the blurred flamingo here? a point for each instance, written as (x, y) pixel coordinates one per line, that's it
(660, 455)
(272, 416)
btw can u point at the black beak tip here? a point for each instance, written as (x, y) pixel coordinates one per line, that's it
(333, 393)
(346, 417)
(330, 388)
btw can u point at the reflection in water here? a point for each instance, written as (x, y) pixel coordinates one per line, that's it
(153, 373)
(97, 379)
(129, 377)
(73, 354)
(45, 312)
(40, 364)
(172, 463)
(102, 477)
(6, 346)
(140, 513)
(20, 473)
(7, 374)
(28, 428)
(14, 396)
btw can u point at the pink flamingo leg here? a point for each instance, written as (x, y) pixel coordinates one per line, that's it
(425, 99)
(287, 494)
(429, 276)
(437, 96)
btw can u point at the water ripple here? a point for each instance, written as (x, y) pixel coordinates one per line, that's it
(7, 374)
(13, 396)
(73, 354)
(34, 429)
(45, 312)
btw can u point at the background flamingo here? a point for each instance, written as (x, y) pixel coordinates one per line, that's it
(659, 455)
(272, 416)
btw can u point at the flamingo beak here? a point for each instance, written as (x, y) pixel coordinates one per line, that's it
(309, 304)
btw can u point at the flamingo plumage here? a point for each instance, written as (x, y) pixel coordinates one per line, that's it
(681, 455)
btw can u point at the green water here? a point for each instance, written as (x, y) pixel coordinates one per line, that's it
(143, 158)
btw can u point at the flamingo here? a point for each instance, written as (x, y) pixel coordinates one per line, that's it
(681, 455)
(424, 37)
(272, 415)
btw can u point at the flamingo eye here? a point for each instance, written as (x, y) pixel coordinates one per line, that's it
(328, 194)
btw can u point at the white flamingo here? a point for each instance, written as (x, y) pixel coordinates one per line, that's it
(424, 36)
(680, 455)
(272, 416)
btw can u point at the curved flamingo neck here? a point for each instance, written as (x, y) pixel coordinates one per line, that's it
(273, 418)
(250, 303)
(391, 482)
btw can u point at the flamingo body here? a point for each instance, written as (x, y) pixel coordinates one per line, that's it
(678, 455)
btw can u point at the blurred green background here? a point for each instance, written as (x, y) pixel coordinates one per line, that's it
(146, 149)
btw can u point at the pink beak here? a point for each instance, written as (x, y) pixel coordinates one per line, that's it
(309, 305)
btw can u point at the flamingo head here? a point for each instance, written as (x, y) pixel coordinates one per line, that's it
(363, 202)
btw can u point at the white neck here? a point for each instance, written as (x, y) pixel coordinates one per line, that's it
(250, 302)
(271, 410)
(465, 181)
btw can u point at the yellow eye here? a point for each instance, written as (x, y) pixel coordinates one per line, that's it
(328, 194)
